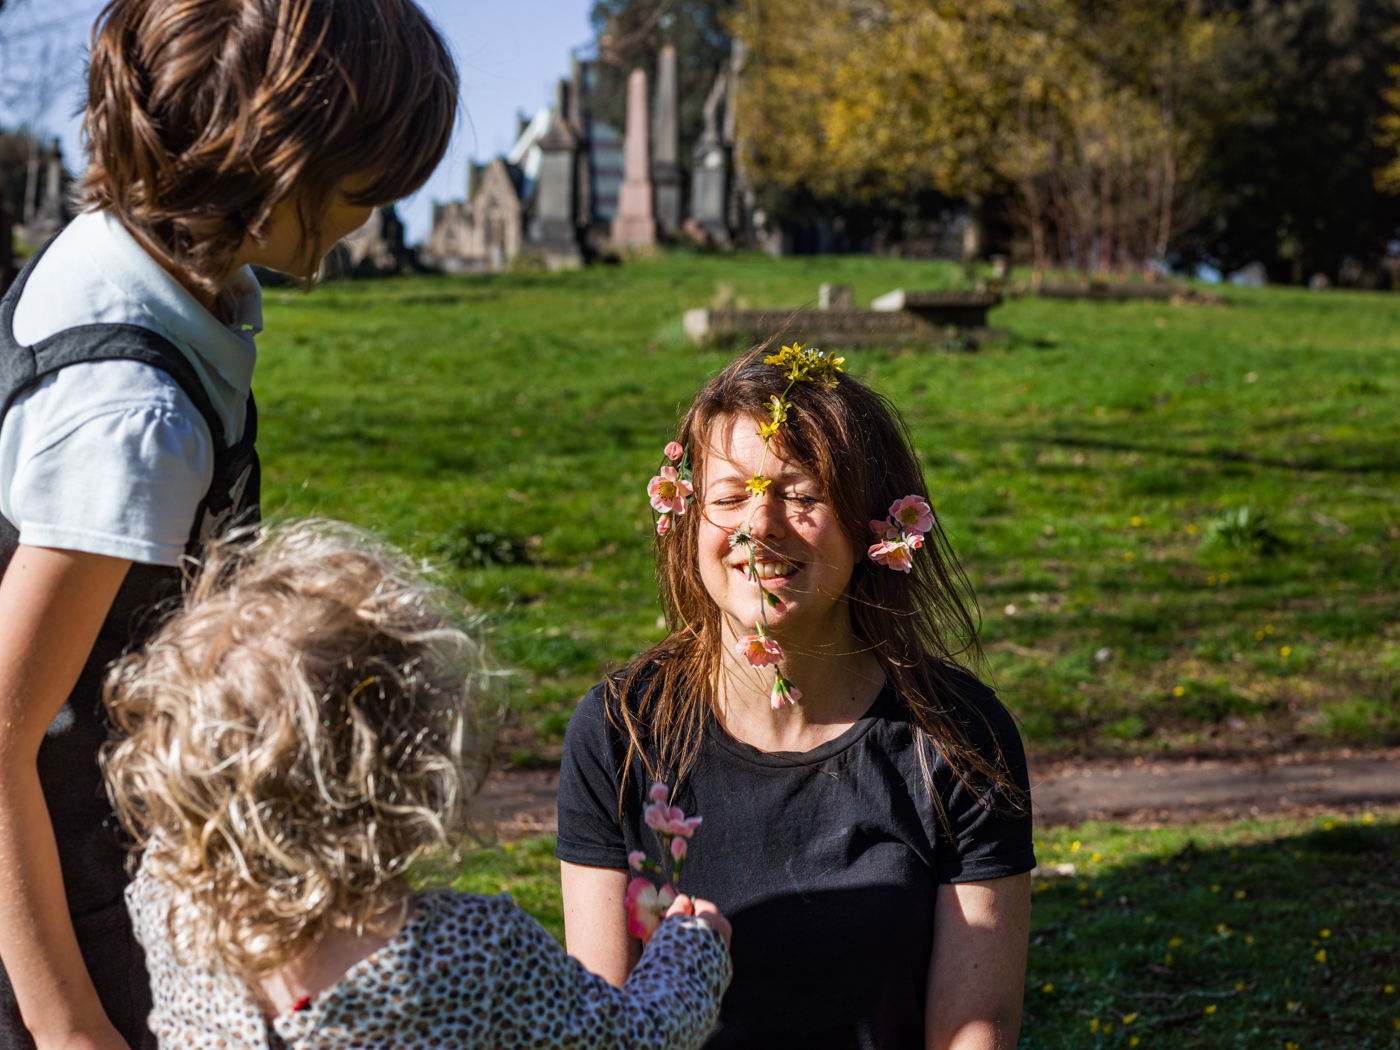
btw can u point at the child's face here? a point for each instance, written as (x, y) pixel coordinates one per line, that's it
(803, 554)
(282, 249)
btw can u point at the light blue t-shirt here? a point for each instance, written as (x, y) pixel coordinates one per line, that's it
(112, 457)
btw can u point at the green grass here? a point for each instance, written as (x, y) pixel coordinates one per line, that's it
(1205, 936)
(505, 427)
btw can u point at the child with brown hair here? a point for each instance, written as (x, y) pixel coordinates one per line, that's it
(221, 133)
(297, 738)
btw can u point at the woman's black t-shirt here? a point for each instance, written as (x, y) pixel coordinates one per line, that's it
(826, 862)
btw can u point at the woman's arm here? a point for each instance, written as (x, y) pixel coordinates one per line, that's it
(977, 974)
(52, 604)
(595, 925)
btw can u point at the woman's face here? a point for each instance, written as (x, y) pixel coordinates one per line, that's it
(803, 556)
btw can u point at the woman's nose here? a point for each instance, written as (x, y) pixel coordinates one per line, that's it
(769, 518)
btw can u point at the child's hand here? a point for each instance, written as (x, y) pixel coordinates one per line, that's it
(702, 909)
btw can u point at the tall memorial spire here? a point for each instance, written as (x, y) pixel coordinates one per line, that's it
(666, 150)
(635, 223)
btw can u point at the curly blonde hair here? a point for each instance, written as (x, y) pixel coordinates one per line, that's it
(295, 737)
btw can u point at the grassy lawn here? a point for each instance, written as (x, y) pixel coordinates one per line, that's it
(1280, 934)
(1091, 471)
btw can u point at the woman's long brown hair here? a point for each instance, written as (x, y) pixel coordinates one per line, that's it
(922, 626)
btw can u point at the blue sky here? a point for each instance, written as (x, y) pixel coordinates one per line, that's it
(510, 54)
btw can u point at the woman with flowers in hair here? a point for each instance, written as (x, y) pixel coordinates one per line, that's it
(865, 798)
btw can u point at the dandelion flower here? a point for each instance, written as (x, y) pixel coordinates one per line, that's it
(1321, 955)
(1210, 1009)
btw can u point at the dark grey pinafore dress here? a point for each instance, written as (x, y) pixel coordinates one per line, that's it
(90, 848)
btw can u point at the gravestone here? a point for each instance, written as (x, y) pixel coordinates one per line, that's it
(552, 229)
(834, 297)
(665, 162)
(635, 223)
(709, 179)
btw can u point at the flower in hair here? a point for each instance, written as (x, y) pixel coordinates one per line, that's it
(802, 363)
(670, 490)
(902, 533)
(912, 512)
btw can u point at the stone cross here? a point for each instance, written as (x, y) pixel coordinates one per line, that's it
(666, 150)
(635, 224)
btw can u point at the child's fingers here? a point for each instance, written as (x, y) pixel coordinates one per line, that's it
(681, 906)
(711, 914)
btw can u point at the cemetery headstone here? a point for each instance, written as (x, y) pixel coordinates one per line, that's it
(834, 297)
(635, 223)
(665, 164)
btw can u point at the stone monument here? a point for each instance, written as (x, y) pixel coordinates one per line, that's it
(635, 224)
(709, 179)
(665, 159)
(552, 231)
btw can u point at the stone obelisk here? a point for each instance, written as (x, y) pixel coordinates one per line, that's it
(666, 149)
(635, 223)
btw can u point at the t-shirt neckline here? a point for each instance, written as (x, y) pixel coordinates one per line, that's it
(878, 709)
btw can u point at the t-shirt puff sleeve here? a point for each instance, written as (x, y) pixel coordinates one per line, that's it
(589, 774)
(121, 476)
(990, 825)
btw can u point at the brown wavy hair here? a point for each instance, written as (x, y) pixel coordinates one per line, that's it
(922, 627)
(203, 115)
(292, 740)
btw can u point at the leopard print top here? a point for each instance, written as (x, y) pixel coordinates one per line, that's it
(464, 972)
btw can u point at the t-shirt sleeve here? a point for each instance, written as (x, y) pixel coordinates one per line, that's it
(991, 826)
(589, 831)
(123, 477)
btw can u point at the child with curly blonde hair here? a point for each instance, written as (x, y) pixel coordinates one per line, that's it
(298, 742)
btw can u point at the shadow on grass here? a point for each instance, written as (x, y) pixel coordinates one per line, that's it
(1250, 935)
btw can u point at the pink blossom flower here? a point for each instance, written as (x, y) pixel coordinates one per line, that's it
(913, 512)
(674, 451)
(759, 649)
(663, 524)
(669, 491)
(784, 692)
(678, 848)
(645, 906)
(658, 792)
(636, 859)
(894, 554)
(669, 820)
(886, 529)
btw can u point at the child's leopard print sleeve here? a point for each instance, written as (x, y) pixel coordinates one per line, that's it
(546, 998)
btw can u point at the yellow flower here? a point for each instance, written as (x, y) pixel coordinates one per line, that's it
(1239, 986)
(1321, 955)
(1093, 1024)
(1179, 691)
(1210, 1009)
(1048, 989)
(1258, 636)
(1136, 521)
(1325, 933)
(1268, 628)
(1098, 893)
(1041, 887)
(1285, 651)
(1097, 857)
(1175, 942)
(1129, 556)
(1167, 959)
(1367, 818)
(1291, 1046)
(1390, 989)
(1215, 889)
(1083, 886)
(767, 430)
(758, 484)
(777, 409)
(1249, 939)
(1190, 530)
(801, 362)
(1211, 581)
(1074, 846)
(1130, 1018)
(1134, 1041)
(1239, 895)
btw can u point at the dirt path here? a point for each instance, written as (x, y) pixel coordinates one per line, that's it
(522, 802)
